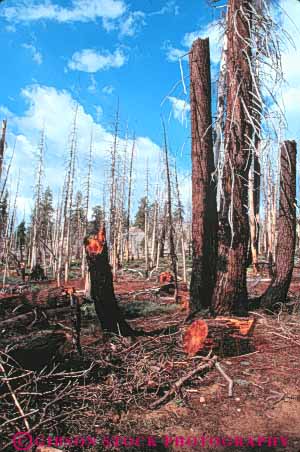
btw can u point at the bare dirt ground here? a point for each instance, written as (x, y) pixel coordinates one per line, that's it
(130, 374)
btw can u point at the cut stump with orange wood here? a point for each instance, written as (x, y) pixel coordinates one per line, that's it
(226, 336)
(102, 289)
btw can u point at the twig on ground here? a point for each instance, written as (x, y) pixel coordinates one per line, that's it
(227, 378)
(177, 385)
(16, 402)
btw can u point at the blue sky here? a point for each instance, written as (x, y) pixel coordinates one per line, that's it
(58, 53)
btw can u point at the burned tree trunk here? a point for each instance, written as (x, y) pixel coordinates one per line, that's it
(285, 250)
(204, 220)
(230, 294)
(102, 290)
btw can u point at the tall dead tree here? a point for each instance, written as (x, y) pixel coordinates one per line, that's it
(112, 200)
(64, 234)
(2, 145)
(181, 229)
(87, 204)
(146, 223)
(170, 215)
(129, 200)
(230, 293)
(204, 216)
(254, 199)
(36, 220)
(286, 224)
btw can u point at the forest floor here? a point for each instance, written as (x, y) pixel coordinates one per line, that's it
(112, 399)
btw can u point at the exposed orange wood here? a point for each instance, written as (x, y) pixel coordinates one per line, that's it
(245, 326)
(96, 244)
(195, 337)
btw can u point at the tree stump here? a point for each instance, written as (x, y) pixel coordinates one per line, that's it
(224, 336)
(102, 290)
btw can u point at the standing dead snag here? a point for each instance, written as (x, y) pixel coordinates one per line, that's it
(2, 145)
(170, 216)
(285, 250)
(204, 221)
(230, 293)
(102, 290)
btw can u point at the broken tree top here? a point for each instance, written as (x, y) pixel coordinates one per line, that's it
(96, 244)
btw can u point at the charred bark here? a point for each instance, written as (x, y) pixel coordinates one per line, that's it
(204, 221)
(230, 294)
(285, 250)
(102, 290)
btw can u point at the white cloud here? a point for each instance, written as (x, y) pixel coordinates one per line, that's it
(92, 88)
(99, 112)
(173, 54)
(108, 89)
(212, 31)
(180, 109)
(79, 11)
(132, 24)
(290, 67)
(54, 109)
(10, 29)
(89, 60)
(169, 8)
(36, 55)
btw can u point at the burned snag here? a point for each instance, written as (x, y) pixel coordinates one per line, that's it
(285, 250)
(204, 222)
(230, 293)
(102, 290)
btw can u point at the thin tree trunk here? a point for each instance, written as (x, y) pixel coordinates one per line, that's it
(129, 201)
(230, 293)
(170, 218)
(285, 250)
(87, 204)
(254, 198)
(154, 241)
(146, 226)
(181, 231)
(204, 221)
(36, 213)
(2, 145)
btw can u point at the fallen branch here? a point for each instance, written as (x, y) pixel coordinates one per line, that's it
(200, 368)
(16, 402)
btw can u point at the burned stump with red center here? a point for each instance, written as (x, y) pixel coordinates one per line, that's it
(102, 290)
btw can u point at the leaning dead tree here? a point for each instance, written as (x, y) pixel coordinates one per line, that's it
(286, 223)
(230, 293)
(204, 221)
(102, 290)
